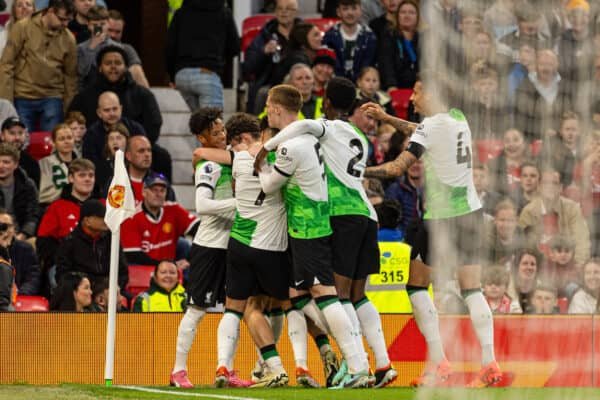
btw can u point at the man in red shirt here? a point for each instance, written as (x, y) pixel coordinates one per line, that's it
(151, 235)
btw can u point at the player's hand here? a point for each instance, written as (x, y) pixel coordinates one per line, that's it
(182, 264)
(197, 156)
(260, 157)
(374, 110)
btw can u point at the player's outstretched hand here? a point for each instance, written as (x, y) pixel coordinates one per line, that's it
(197, 157)
(374, 110)
(260, 157)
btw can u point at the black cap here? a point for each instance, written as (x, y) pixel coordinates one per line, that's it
(12, 121)
(92, 208)
(156, 179)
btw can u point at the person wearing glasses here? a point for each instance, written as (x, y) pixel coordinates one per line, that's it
(44, 53)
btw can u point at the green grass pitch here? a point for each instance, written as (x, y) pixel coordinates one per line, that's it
(89, 392)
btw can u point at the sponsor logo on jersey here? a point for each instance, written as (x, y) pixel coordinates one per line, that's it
(146, 234)
(116, 196)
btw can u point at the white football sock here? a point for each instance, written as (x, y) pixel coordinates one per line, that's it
(483, 324)
(312, 311)
(370, 322)
(185, 336)
(228, 334)
(298, 333)
(356, 333)
(276, 322)
(341, 329)
(427, 320)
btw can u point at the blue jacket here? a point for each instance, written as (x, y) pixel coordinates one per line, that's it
(364, 53)
(409, 197)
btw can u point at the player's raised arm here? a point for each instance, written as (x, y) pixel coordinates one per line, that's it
(393, 168)
(377, 112)
(295, 129)
(210, 154)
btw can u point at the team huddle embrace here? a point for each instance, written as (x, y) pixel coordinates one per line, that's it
(288, 230)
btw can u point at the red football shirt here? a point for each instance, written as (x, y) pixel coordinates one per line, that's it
(157, 238)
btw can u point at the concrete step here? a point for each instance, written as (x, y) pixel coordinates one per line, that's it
(175, 123)
(179, 146)
(185, 196)
(183, 173)
(169, 100)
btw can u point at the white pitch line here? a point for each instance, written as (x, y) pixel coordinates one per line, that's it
(188, 394)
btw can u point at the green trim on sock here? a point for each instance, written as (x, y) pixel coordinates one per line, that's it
(276, 312)
(414, 289)
(359, 303)
(322, 340)
(233, 312)
(325, 303)
(467, 292)
(269, 354)
(300, 304)
(345, 301)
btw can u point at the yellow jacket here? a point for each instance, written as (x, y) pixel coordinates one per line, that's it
(157, 299)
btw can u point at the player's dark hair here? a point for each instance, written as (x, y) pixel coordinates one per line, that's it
(389, 214)
(341, 93)
(204, 118)
(357, 103)
(242, 123)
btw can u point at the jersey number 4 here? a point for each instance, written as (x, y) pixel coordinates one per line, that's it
(463, 152)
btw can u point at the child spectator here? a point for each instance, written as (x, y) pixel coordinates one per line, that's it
(408, 190)
(504, 237)
(524, 278)
(544, 299)
(76, 122)
(100, 297)
(488, 197)
(585, 300)
(528, 186)
(116, 139)
(562, 151)
(73, 293)
(505, 170)
(165, 293)
(381, 143)
(54, 169)
(559, 268)
(354, 43)
(495, 283)
(368, 85)
(389, 215)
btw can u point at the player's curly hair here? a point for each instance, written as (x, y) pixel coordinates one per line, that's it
(203, 118)
(242, 123)
(341, 93)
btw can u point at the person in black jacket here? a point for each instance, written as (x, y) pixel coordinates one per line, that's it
(7, 273)
(201, 39)
(18, 193)
(87, 248)
(14, 132)
(23, 259)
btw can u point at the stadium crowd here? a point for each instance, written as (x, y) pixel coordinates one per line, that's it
(524, 72)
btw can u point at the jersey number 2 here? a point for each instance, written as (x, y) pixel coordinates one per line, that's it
(355, 143)
(463, 153)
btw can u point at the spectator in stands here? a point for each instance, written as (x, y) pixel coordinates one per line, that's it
(500, 18)
(354, 43)
(108, 111)
(79, 25)
(266, 51)
(503, 236)
(528, 186)
(494, 284)
(14, 133)
(87, 248)
(8, 289)
(561, 151)
(55, 167)
(528, 31)
(20, 9)
(389, 215)
(73, 293)
(505, 170)
(399, 51)
(100, 296)
(524, 278)
(544, 299)
(408, 190)
(487, 196)
(305, 40)
(489, 115)
(366, 123)
(322, 67)
(18, 194)
(151, 235)
(368, 85)
(116, 139)
(386, 21)
(559, 268)
(575, 47)
(116, 25)
(76, 122)
(585, 300)
(41, 83)
(201, 39)
(541, 99)
(590, 182)
(482, 49)
(381, 143)
(40, 4)
(301, 77)
(62, 216)
(551, 214)
(23, 259)
(87, 51)
(165, 293)
(520, 70)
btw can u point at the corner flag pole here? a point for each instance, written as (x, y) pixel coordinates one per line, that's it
(120, 205)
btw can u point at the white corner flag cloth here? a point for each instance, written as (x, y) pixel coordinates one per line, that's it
(120, 202)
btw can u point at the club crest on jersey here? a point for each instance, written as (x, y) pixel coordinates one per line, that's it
(208, 168)
(283, 151)
(116, 196)
(421, 130)
(167, 227)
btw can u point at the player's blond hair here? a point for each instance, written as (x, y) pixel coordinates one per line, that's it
(287, 96)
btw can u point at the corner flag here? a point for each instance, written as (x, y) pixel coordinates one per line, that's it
(120, 203)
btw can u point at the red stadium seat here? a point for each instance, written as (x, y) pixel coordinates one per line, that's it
(324, 24)
(563, 305)
(488, 149)
(251, 26)
(139, 278)
(31, 303)
(401, 101)
(536, 147)
(40, 145)
(4, 17)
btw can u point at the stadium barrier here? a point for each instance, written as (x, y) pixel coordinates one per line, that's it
(53, 348)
